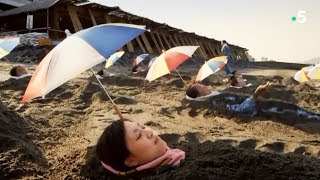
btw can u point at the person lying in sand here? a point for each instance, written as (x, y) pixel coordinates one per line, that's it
(136, 69)
(103, 73)
(249, 105)
(126, 147)
(236, 80)
(19, 72)
(246, 107)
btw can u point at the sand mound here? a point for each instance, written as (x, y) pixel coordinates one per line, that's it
(18, 154)
(220, 160)
(55, 137)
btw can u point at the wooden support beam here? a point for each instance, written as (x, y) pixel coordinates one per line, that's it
(201, 53)
(74, 18)
(146, 43)
(130, 47)
(93, 19)
(171, 39)
(214, 54)
(56, 17)
(161, 44)
(208, 48)
(180, 43)
(155, 42)
(165, 40)
(202, 48)
(141, 46)
(184, 42)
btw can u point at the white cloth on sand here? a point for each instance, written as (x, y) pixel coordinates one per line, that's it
(203, 98)
(22, 76)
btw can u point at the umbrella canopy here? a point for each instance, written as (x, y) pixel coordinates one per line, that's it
(314, 72)
(211, 66)
(113, 58)
(78, 53)
(151, 61)
(302, 75)
(7, 45)
(169, 60)
(139, 59)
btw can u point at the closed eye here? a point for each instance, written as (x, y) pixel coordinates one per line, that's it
(139, 136)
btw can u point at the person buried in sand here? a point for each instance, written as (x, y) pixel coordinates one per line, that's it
(249, 105)
(126, 147)
(18, 72)
(246, 107)
(236, 80)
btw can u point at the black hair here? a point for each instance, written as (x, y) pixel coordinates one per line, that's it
(100, 73)
(233, 79)
(111, 148)
(135, 68)
(13, 71)
(197, 90)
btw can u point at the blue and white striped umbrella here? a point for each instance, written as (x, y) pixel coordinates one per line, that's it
(78, 53)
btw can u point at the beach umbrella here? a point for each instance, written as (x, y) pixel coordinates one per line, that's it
(78, 53)
(169, 61)
(139, 59)
(210, 67)
(113, 58)
(314, 72)
(302, 75)
(151, 61)
(7, 44)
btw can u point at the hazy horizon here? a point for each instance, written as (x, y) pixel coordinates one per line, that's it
(263, 27)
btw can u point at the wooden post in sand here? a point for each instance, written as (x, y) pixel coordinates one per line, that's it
(146, 42)
(171, 39)
(140, 44)
(74, 18)
(155, 42)
(165, 40)
(160, 41)
(92, 17)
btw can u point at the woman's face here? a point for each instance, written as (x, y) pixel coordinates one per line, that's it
(240, 81)
(143, 144)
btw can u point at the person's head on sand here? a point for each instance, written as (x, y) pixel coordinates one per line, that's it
(197, 90)
(223, 42)
(125, 145)
(135, 68)
(18, 71)
(237, 80)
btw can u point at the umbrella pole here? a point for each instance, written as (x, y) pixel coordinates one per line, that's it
(104, 89)
(180, 77)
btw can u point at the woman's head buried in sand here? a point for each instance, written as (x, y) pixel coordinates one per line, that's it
(18, 71)
(237, 80)
(197, 90)
(126, 146)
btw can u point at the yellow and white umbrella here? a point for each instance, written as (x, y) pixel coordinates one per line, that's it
(113, 58)
(314, 73)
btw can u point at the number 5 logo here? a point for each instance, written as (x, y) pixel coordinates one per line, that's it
(302, 16)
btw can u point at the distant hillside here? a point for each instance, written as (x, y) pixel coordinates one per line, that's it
(313, 60)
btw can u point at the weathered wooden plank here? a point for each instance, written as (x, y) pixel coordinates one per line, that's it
(141, 45)
(155, 42)
(159, 38)
(146, 43)
(94, 22)
(56, 16)
(165, 40)
(74, 18)
(171, 39)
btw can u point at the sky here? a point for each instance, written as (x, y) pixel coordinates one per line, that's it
(265, 27)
